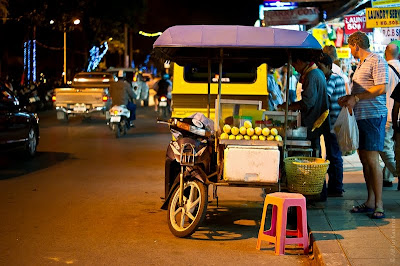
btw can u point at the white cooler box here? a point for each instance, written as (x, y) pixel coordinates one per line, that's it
(251, 163)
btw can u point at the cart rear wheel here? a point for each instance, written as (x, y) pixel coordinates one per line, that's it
(184, 220)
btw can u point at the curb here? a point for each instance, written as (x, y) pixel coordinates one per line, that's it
(325, 246)
(327, 252)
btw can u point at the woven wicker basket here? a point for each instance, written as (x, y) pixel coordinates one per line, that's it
(305, 175)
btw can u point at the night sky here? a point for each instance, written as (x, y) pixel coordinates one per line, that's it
(161, 15)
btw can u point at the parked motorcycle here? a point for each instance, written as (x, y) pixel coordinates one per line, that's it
(119, 120)
(29, 97)
(189, 162)
(164, 107)
(47, 99)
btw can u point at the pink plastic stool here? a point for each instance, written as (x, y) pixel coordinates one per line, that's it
(278, 232)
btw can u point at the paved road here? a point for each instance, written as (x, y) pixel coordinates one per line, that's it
(90, 199)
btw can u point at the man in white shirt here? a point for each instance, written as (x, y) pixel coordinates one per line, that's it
(368, 103)
(331, 51)
(388, 155)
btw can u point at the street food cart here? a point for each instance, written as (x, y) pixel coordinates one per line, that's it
(198, 156)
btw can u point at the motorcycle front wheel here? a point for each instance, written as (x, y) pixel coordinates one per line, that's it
(117, 131)
(164, 113)
(184, 220)
(125, 126)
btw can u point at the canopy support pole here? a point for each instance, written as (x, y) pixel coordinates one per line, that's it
(288, 75)
(209, 88)
(218, 108)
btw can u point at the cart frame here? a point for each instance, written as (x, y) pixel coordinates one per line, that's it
(216, 43)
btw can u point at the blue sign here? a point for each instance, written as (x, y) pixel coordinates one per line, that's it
(280, 5)
(275, 5)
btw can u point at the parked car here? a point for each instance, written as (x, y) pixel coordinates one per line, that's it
(19, 129)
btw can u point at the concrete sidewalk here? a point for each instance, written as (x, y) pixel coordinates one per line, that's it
(343, 238)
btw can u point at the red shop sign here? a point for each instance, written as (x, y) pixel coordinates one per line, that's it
(355, 23)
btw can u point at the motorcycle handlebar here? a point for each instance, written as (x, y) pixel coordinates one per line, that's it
(161, 121)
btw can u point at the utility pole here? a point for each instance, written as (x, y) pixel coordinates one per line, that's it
(65, 55)
(130, 48)
(75, 22)
(126, 57)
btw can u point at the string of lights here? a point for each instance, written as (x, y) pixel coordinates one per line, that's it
(29, 60)
(25, 56)
(96, 54)
(146, 34)
(34, 61)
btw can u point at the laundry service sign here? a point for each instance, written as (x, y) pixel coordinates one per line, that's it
(382, 17)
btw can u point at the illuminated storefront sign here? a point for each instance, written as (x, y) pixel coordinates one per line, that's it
(300, 1)
(275, 5)
(386, 35)
(322, 37)
(301, 16)
(382, 17)
(385, 3)
(343, 52)
(391, 33)
(355, 23)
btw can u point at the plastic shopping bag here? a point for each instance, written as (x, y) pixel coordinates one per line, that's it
(346, 131)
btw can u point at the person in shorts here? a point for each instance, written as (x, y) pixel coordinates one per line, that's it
(368, 103)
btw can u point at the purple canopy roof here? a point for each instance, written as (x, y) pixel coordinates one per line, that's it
(197, 43)
(221, 36)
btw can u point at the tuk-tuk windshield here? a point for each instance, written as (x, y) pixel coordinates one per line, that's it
(232, 73)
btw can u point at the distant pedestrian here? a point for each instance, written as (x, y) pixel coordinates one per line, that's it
(394, 81)
(292, 84)
(387, 155)
(142, 91)
(274, 91)
(335, 89)
(336, 68)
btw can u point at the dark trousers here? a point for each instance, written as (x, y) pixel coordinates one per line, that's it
(316, 146)
(132, 108)
(292, 96)
(335, 170)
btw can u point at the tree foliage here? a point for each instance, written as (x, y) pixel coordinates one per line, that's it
(3, 10)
